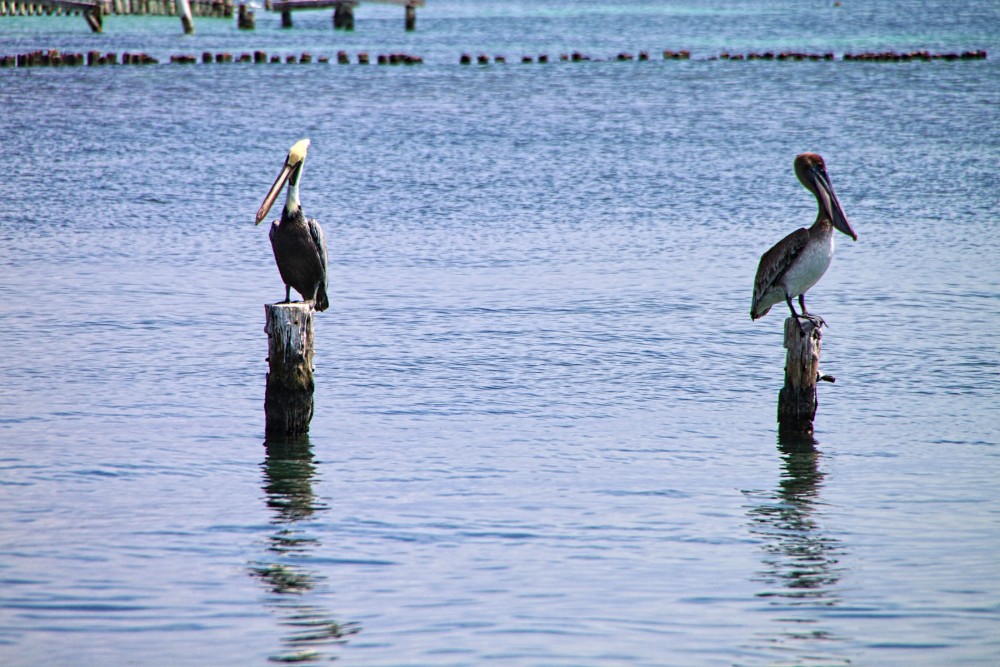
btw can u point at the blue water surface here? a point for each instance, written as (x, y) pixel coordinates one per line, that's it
(545, 424)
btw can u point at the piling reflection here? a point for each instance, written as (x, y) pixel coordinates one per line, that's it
(288, 473)
(801, 561)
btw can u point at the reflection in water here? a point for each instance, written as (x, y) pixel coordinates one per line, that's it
(288, 472)
(800, 560)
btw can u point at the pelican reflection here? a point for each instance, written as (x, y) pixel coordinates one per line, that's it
(288, 472)
(800, 560)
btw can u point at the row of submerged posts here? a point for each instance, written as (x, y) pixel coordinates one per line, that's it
(797, 56)
(260, 57)
(51, 57)
(575, 56)
(55, 58)
(880, 56)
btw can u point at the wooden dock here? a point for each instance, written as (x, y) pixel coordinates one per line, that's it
(93, 11)
(343, 10)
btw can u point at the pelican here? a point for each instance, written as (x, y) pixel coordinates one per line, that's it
(298, 243)
(799, 260)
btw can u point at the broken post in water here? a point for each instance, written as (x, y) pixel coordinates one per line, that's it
(797, 399)
(288, 398)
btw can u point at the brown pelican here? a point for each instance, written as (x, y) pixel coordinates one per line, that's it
(800, 259)
(298, 243)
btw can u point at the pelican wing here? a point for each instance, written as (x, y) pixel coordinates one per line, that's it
(775, 262)
(316, 232)
(317, 236)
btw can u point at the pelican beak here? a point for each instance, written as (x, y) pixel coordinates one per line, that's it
(829, 202)
(273, 193)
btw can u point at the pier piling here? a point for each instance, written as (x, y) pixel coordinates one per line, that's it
(94, 19)
(245, 20)
(797, 399)
(343, 16)
(187, 22)
(288, 397)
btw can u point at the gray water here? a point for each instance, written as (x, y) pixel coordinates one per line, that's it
(544, 429)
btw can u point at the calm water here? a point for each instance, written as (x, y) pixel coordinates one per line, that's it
(544, 428)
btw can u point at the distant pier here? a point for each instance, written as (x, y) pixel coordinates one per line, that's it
(207, 8)
(93, 11)
(343, 10)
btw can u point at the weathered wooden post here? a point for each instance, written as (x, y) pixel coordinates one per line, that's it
(94, 19)
(411, 17)
(286, 18)
(184, 9)
(288, 397)
(343, 16)
(797, 399)
(349, 17)
(245, 19)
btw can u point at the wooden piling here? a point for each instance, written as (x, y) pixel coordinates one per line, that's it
(343, 16)
(286, 18)
(411, 18)
(245, 19)
(288, 397)
(187, 22)
(797, 399)
(94, 19)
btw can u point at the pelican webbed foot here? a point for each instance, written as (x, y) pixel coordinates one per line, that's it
(815, 319)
